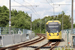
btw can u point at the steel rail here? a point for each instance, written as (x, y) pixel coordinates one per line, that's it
(24, 44)
(56, 44)
(43, 46)
(18, 44)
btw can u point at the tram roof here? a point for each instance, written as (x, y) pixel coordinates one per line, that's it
(53, 21)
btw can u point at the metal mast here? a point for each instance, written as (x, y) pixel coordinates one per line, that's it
(72, 19)
(9, 16)
(31, 23)
(62, 21)
(72, 22)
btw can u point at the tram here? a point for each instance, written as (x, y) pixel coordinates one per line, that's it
(53, 30)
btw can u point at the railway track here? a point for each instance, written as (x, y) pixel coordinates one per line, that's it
(53, 45)
(15, 47)
(43, 46)
(48, 44)
(26, 44)
(41, 34)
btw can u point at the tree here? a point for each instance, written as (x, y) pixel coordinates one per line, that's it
(66, 22)
(4, 16)
(74, 25)
(19, 19)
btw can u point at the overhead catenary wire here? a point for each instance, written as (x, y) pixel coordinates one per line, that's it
(22, 5)
(51, 6)
(49, 3)
(31, 6)
(26, 7)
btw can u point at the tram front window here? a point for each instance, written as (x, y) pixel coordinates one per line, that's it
(53, 29)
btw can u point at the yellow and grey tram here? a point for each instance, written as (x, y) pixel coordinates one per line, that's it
(53, 30)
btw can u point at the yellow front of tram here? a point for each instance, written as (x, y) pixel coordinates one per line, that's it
(53, 30)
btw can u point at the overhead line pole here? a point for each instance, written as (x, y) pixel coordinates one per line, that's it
(31, 23)
(45, 26)
(62, 21)
(72, 22)
(53, 12)
(40, 26)
(72, 19)
(9, 16)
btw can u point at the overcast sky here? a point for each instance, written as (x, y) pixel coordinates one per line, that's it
(44, 7)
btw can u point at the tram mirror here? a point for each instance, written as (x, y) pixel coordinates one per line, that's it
(0, 37)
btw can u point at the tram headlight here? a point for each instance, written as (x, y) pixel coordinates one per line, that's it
(57, 34)
(49, 34)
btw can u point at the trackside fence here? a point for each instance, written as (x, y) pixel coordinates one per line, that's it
(17, 35)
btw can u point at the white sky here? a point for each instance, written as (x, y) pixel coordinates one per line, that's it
(44, 7)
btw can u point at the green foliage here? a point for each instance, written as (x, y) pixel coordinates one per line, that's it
(63, 49)
(66, 22)
(74, 25)
(3, 16)
(19, 19)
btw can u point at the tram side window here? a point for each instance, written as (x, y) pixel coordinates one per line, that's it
(60, 28)
(47, 27)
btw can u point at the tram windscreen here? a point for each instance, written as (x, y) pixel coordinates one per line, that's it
(53, 29)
